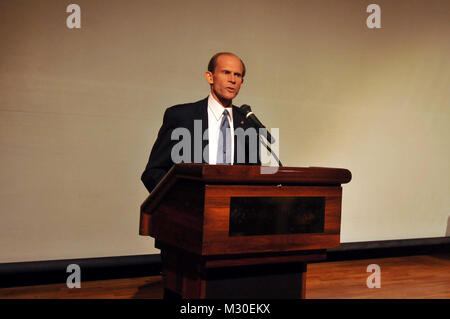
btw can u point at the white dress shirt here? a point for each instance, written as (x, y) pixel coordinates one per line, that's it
(215, 115)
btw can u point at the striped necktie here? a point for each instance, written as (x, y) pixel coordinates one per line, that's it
(224, 145)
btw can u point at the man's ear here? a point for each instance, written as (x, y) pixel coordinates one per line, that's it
(209, 77)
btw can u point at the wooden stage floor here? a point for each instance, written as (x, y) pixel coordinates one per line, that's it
(412, 277)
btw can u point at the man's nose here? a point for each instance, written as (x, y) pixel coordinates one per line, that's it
(232, 78)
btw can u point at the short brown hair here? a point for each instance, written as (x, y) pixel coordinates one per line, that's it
(213, 62)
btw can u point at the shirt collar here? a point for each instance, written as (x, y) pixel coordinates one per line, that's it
(217, 108)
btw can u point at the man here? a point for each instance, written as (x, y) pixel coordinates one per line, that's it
(217, 115)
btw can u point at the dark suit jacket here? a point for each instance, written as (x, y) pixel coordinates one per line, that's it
(183, 116)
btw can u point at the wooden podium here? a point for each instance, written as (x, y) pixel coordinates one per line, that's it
(233, 232)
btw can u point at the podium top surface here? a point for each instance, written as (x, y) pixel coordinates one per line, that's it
(246, 174)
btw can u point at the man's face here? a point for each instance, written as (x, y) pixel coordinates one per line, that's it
(226, 80)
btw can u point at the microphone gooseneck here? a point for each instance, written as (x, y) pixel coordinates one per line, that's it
(246, 110)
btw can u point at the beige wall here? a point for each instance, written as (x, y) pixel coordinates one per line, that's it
(80, 109)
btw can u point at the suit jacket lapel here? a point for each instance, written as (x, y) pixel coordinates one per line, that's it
(239, 121)
(201, 112)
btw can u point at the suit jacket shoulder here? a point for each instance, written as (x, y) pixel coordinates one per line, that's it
(187, 111)
(177, 116)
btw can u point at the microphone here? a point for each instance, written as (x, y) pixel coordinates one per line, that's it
(247, 111)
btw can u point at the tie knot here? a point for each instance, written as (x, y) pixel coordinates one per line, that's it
(225, 112)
